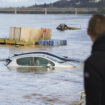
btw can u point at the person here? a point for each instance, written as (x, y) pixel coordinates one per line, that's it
(94, 67)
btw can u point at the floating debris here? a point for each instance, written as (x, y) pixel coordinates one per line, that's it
(14, 42)
(26, 36)
(52, 42)
(63, 27)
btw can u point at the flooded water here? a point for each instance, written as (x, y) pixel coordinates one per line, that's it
(44, 87)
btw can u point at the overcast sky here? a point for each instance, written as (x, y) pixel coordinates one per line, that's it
(16, 3)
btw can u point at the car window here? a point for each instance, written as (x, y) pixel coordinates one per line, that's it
(39, 61)
(55, 59)
(34, 61)
(24, 61)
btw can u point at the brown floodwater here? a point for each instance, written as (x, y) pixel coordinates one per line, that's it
(44, 86)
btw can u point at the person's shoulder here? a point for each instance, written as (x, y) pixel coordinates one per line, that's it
(89, 60)
(97, 59)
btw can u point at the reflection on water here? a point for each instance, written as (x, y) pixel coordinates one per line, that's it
(46, 99)
(43, 86)
(36, 70)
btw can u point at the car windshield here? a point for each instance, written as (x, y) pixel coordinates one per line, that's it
(54, 59)
(57, 55)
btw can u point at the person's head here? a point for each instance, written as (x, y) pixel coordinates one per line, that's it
(96, 26)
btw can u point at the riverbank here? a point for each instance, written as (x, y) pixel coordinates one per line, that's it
(48, 10)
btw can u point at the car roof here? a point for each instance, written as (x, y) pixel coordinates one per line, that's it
(48, 57)
(46, 53)
(40, 52)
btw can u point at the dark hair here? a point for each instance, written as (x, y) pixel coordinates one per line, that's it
(96, 25)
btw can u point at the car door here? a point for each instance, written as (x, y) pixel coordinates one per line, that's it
(42, 62)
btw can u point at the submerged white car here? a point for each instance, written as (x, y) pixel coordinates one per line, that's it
(39, 59)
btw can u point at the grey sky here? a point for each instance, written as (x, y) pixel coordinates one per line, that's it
(9, 3)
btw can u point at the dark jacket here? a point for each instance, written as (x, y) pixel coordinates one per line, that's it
(94, 73)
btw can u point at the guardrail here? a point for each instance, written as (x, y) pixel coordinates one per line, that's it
(48, 10)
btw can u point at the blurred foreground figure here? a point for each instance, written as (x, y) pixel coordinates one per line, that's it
(94, 70)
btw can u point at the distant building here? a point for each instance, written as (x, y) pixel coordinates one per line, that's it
(95, 1)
